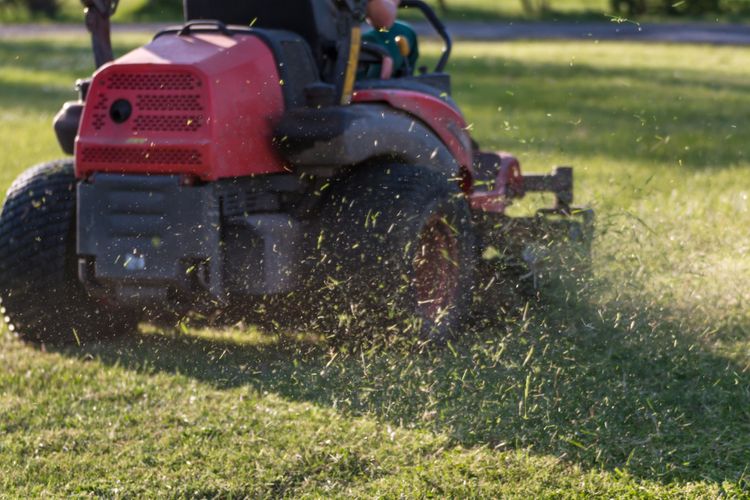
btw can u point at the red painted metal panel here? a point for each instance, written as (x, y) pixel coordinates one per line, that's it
(203, 105)
(444, 119)
(508, 185)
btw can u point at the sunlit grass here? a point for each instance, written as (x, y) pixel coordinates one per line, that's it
(658, 148)
(639, 387)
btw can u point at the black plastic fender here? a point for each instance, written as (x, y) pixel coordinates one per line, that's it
(323, 140)
(66, 125)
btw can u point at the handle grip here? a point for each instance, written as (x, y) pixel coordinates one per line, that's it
(218, 25)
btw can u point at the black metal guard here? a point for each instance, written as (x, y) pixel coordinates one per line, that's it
(98, 13)
(560, 182)
(438, 25)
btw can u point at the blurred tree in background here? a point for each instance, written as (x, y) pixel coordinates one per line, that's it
(631, 8)
(47, 8)
(489, 10)
(678, 7)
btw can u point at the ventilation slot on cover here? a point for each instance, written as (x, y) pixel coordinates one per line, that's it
(99, 120)
(102, 104)
(156, 102)
(169, 123)
(146, 156)
(153, 81)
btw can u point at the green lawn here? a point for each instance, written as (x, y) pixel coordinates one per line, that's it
(641, 387)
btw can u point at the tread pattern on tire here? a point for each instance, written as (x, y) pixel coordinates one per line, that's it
(369, 224)
(42, 299)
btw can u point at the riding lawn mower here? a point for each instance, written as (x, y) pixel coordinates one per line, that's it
(268, 153)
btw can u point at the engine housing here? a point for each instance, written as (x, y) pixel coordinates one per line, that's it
(203, 104)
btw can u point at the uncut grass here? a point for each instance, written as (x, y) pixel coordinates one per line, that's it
(639, 387)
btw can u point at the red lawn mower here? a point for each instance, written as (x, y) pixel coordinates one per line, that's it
(263, 153)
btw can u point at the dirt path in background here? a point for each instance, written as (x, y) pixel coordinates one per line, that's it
(724, 34)
(720, 34)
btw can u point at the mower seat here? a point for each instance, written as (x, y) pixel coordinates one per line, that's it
(319, 22)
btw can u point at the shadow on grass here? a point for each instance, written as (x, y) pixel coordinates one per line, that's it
(617, 390)
(15, 96)
(40, 75)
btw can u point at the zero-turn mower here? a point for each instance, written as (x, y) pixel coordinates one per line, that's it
(267, 151)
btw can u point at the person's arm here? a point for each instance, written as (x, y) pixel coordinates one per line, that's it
(382, 13)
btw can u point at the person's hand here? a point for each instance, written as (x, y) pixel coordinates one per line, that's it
(382, 13)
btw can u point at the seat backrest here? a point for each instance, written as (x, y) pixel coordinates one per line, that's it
(317, 21)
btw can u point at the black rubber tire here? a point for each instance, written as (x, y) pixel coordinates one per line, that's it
(369, 243)
(42, 298)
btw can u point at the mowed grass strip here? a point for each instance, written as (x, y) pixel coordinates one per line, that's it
(638, 385)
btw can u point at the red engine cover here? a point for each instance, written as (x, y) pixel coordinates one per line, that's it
(203, 104)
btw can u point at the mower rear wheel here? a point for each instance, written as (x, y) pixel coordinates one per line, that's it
(399, 249)
(42, 298)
